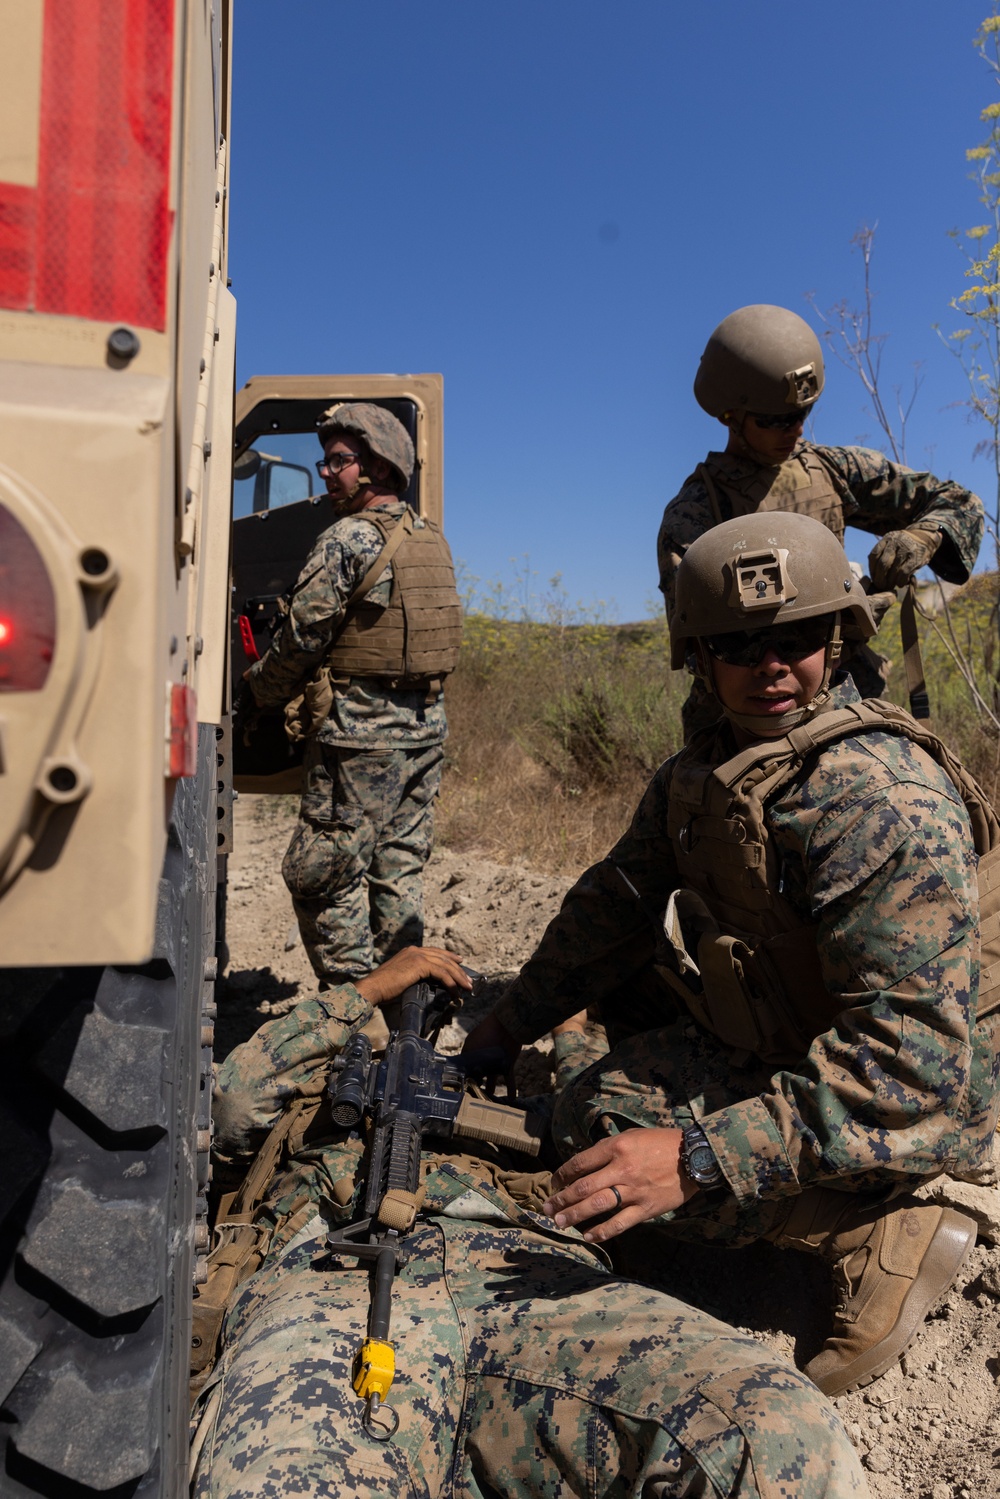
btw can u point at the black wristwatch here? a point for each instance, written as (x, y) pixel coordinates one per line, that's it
(698, 1158)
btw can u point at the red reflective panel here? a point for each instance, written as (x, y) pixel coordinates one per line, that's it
(92, 239)
(27, 610)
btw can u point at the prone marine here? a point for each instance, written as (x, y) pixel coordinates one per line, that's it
(784, 948)
(524, 1365)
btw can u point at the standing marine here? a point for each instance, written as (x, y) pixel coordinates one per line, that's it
(373, 628)
(761, 375)
(785, 951)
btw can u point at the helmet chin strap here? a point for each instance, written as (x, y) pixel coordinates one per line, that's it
(751, 722)
(734, 421)
(363, 482)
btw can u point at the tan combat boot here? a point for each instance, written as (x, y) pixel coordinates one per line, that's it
(891, 1265)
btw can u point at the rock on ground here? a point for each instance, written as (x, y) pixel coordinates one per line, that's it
(928, 1429)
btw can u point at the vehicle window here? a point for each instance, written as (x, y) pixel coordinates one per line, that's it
(278, 469)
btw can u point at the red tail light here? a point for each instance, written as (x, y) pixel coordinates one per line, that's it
(27, 610)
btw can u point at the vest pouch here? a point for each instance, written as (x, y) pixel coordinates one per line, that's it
(734, 1013)
(685, 920)
(707, 970)
(729, 988)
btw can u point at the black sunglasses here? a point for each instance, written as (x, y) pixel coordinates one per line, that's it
(790, 642)
(783, 423)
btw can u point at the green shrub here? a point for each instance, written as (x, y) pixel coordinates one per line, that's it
(557, 724)
(958, 642)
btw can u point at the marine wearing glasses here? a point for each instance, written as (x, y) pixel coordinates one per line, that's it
(336, 463)
(787, 642)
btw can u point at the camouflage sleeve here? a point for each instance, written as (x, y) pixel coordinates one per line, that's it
(602, 934)
(287, 1058)
(893, 888)
(688, 516)
(889, 497)
(334, 568)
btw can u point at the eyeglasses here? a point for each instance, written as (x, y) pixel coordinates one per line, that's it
(783, 423)
(335, 463)
(789, 642)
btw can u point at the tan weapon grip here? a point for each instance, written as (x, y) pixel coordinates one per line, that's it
(482, 1119)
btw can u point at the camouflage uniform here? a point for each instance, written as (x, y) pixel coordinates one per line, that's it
(868, 491)
(372, 771)
(898, 1082)
(524, 1365)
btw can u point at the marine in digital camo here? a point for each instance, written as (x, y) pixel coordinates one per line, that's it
(785, 950)
(761, 375)
(525, 1366)
(372, 630)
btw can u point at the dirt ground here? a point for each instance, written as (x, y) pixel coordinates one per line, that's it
(929, 1429)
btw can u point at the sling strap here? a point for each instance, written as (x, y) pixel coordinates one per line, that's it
(396, 538)
(912, 662)
(240, 1241)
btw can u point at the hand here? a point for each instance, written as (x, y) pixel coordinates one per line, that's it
(409, 966)
(576, 1025)
(490, 1035)
(879, 603)
(893, 561)
(643, 1164)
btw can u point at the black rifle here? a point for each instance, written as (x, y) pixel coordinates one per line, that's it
(406, 1093)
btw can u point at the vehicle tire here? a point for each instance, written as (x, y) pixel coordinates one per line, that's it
(103, 1158)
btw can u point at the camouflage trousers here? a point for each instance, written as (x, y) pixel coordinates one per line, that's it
(667, 1078)
(354, 866)
(523, 1369)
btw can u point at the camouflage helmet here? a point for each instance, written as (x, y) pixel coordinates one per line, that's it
(773, 567)
(385, 435)
(760, 358)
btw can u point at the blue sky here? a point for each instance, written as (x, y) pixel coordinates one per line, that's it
(553, 202)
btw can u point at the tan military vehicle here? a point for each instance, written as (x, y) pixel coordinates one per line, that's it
(117, 439)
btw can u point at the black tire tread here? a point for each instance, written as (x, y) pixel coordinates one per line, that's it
(97, 1190)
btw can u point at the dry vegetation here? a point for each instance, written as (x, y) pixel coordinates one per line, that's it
(555, 728)
(960, 651)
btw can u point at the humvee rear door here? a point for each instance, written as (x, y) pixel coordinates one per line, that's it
(280, 507)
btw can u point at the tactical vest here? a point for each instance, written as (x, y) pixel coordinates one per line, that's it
(802, 483)
(744, 961)
(417, 638)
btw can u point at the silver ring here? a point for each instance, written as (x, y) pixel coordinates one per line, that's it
(618, 1196)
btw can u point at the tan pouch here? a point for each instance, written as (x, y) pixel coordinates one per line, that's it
(714, 981)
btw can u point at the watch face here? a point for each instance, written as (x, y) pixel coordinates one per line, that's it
(702, 1161)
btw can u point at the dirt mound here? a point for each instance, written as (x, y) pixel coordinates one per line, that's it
(928, 1429)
